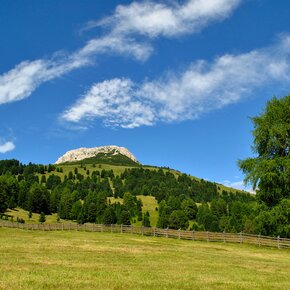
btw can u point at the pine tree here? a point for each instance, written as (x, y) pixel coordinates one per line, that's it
(42, 217)
(146, 220)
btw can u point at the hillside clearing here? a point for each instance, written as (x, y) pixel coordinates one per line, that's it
(149, 204)
(79, 260)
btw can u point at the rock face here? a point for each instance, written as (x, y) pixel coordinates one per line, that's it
(83, 153)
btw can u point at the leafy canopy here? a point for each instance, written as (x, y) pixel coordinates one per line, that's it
(269, 172)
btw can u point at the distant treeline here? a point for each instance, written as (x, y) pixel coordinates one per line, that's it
(184, 202)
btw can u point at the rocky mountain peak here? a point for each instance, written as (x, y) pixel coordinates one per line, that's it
(84, 153)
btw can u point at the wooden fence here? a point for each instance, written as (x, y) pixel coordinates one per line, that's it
(241, 238)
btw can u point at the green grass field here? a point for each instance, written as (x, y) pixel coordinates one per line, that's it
(82, 260)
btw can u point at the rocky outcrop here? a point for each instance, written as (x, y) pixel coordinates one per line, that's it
(84, 153)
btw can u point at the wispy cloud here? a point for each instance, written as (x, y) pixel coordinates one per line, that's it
(6, 146)
(240, 185)
(115, 102)
(121, 36)
(20, 82)
(202, 87)
(153, 19)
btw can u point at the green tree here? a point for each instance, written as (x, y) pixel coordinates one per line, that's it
(178, 220)
(39, 199)
(146, 220)
(75, 210)
(269, 172)
(42, 217)
(129, 202)
(164, 213)
(22, 195)
(109, 216)
(205, 217)
(3, 200)
(9, 191)
(124, 218)
(65, 205)
(43, 179)
(190, 208)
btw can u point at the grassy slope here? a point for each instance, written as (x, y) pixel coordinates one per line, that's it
(149, 204)
(79, 260)
(118, 169)
(21, 213)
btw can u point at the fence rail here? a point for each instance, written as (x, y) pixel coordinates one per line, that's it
(241, 238)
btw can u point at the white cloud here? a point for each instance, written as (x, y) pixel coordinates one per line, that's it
(153, 19)
(6, 147)
(139, 18)
(20, 82)
(236, 184)
(240, 185)
(202, 87)
(113, 101)
(113, 44)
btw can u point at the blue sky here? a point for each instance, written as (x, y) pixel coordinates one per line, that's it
(173, 81)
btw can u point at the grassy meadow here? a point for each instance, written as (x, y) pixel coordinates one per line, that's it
(23, 214)
(82, 260)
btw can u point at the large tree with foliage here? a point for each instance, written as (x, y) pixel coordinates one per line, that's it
(269, 171)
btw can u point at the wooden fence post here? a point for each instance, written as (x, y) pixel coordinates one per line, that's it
(259, 240)
(278, 242)
(179, 233)
(167, 232)
(121, 228)
(224, 236)
(142, 230)
(241, 237)
(111, 228)
(193, 235)
(208, 236)
(154, 233)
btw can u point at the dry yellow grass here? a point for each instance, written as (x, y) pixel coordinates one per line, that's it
(81, 260)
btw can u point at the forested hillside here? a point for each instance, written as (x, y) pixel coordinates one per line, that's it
(81, 192)
(88, 191)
